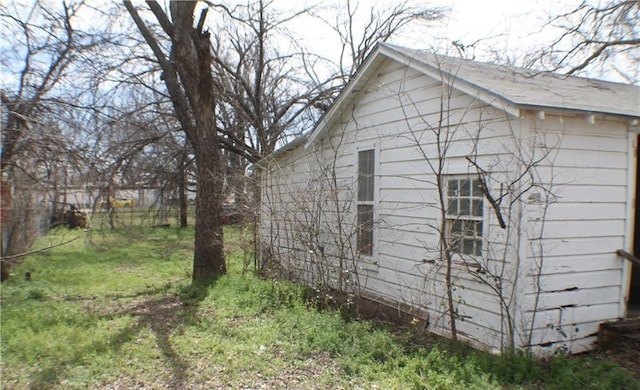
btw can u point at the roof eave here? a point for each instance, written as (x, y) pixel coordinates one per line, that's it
(577, 111)
(449, 78)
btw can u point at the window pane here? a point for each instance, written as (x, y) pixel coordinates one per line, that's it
(465, 188)
(477, 207)
(476, 188)
(457, 227)
(478, 251)
(465, 207)
(468, 228)
(453, 207)
(365, 192)
(365, 175)
(365, 229)
(452, 188)
(477, 230)
(467, 246)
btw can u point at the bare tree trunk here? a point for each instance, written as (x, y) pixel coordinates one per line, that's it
(445, 249)
(182, 190)
(187, 75)
(192, 58)
(208, 256)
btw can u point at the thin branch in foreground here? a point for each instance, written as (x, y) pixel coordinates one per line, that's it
(485, 190)
(6, 258)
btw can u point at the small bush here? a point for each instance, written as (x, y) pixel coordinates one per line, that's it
(36, 294)
(279, 294)
(514, 368)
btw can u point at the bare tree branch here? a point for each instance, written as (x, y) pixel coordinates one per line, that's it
(603, 35)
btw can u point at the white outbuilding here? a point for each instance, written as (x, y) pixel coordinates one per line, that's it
(492, 199)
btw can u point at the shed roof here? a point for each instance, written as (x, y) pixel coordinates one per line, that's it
(508, 88)
(525, 87)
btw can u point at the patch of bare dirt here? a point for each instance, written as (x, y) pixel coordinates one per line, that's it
(625, 353)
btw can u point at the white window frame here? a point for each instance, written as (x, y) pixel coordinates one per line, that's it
(373, 203)
(458, 200)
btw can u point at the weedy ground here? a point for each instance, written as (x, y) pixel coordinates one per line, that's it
(117, 309)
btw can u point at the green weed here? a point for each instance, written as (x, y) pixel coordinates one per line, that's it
(118, 309)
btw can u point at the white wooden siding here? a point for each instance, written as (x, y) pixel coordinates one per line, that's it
(581, 280)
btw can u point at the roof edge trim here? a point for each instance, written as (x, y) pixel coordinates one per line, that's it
(449, 78)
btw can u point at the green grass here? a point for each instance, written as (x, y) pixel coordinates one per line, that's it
(118, 309)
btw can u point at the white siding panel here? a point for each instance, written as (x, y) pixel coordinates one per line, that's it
(570, 281)
(582, 246)
(582, 159)
(590, 212)
(591, 194)
(581, 263)
(580, 296)
(574, 316)
(409, 195)
(555, 337)
(409, 265)
(585, 142)
(577, 175)
(576, 229)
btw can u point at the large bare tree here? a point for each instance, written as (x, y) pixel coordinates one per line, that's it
(266, 78)
(188, 77)
(605, 35)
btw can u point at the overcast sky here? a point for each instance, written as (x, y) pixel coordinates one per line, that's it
(509, 29)
(489, 17)
(502, 30)
(515, 24)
